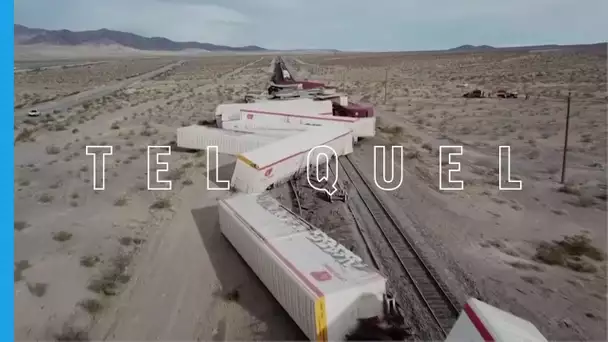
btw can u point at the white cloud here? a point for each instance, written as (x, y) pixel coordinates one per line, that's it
(179, 21)
(342, 24)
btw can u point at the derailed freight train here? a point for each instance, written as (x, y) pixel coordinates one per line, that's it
(283, 78)
(323, 286)
(329, 291)
(281, 85)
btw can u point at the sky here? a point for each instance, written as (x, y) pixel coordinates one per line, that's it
(354, 25)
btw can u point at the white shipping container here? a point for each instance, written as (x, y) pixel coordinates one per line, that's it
(258, 169)
(361, 127)
(365, 127)
(323, 286)
(259, 128)
(231, 111)
(277, 133)
(304, 106)
(481, 322)
(301, 106)
(228, 142)
(252, 124)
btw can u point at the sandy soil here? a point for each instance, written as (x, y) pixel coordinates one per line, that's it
(37, 52)
(41, 85)
(130, 264)
(496, 245)
(126, 263)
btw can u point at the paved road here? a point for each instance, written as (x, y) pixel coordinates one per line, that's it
(91, 94)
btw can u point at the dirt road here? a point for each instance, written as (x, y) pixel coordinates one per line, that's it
(182, 289)
(126, 263)
(91, 94)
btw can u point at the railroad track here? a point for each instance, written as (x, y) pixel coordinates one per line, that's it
(429, 289)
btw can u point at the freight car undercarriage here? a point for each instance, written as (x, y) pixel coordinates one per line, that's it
(390, 327)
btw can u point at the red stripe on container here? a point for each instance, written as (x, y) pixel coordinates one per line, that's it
(481, 328)
(302, 116)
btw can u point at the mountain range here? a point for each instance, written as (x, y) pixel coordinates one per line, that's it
(472, 48)
(28, 36)
(598, 47)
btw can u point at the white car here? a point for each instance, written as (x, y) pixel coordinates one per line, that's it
(34, 112)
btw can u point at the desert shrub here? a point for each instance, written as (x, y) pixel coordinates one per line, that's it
(52, 149)
(573, 252)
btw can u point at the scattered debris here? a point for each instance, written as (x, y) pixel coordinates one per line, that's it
(506, 94)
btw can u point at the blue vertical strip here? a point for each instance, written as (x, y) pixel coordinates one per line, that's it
(7, 283)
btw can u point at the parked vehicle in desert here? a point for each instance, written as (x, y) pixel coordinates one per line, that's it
(33, 112)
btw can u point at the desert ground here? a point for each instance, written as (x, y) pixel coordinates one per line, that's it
(538, 252)
(126, 263)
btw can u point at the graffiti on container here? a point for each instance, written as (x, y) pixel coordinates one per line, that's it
(273, 207)
(338, 252)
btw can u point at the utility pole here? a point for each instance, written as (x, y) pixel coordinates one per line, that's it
(566, 139)
(385, 83)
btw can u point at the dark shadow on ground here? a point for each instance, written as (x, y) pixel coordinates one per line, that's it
(175, 148)
(241, 285)
(224, 172)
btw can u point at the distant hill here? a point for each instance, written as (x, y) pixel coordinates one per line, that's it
(473, 48)
(28, 36)
(598, 47)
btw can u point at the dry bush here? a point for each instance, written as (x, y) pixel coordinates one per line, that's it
(52, 149)
(162, 203)
(570, 189)
(62, 236)
(46, 198)
(89, 260)
(25, 135)
(108, 282)
(69, 333)
(574, 252)
(92, 306)
(37, 289)
(21, 266)
(21, 225)
(121, 201)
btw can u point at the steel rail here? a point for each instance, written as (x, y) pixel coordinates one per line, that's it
(428, 287)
